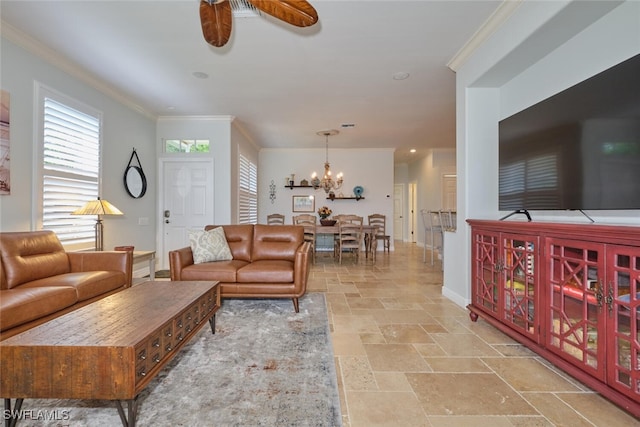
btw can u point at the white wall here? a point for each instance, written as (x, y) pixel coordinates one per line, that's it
(123, 129)
(371, 169)
(532, 56)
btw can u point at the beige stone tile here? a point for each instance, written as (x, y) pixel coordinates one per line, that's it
(467, 394)
(392, 381)
(452, 325)
(488, 333)
(434, 328)
(598, 410)
(465, 345)
(402, 316)
(529, 422)
(526, 374)
(457, 364)
(355, 324)
(395, 334)
(364, 303)
(372, 338)
(381, 409)
(429, 350)
(513, 350)
(556, 411)
(471, 421)
(347, 345)
(395, 357)
(356, 373)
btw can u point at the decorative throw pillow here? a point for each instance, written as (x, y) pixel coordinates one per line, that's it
(209, 246)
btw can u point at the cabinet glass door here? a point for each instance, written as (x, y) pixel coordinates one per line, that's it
(486, 274)
(576, 296)
(519, 283)
(623, 306)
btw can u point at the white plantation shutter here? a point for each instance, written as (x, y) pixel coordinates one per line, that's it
(70, 170)
(248, 188)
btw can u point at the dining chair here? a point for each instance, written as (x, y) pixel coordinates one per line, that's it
(351, 218)
(380, 221)
(275, 219)
(349, 240)
(309, 223)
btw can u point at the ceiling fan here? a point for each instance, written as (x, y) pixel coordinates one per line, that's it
(216, 16)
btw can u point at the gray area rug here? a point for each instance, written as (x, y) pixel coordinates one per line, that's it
(265, 366)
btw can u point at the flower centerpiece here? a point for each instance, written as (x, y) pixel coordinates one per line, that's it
(324, 213)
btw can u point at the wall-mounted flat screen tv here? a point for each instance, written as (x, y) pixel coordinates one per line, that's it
(577, 150)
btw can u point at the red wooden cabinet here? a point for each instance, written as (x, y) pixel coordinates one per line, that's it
(505, 279)
(570, 292)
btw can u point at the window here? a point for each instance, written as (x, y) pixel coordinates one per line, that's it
(248, 197)
(186, 145)
(69, 166)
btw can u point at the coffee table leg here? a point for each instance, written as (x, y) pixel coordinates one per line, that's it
(132, 410)
(212, 322)
(12, 419)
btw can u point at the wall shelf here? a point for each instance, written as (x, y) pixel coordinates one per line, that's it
(345, 198)
(291, 187)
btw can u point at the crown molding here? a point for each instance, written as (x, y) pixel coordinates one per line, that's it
(221, 118)
(491, 25)
(51, 56)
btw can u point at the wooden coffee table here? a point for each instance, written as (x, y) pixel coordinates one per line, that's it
(110, 349)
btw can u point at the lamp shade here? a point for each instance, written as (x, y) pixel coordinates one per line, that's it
(97, 207)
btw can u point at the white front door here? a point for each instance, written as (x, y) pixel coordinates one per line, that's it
(186, 201)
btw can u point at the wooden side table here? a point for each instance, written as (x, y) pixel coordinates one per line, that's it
(139, 256)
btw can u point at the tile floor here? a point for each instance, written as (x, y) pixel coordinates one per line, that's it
(407, 356)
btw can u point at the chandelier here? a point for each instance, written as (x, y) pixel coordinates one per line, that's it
(327, 183)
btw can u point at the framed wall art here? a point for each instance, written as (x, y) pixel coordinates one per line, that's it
(304, 204)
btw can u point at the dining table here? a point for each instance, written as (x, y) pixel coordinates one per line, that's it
(368, 230)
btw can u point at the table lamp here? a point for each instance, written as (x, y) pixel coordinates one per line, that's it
(98, 207)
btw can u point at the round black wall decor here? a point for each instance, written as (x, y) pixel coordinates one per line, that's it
(134, 180)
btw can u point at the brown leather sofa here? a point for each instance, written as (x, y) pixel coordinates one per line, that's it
(269, 261)
(39, 281)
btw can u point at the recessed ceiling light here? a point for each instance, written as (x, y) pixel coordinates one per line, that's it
(171, 107)
(200, 75)
(413, 150)
(400, 75)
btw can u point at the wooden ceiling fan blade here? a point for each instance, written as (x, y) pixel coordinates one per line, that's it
(216, 22)
(296, 12)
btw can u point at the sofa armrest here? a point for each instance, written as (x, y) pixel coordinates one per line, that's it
(103, 261)
(302, 267)
(178, 259)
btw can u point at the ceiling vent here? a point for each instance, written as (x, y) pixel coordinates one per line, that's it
(243, 9)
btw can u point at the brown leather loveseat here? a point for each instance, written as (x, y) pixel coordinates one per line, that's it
(269, 261)
(40, 281)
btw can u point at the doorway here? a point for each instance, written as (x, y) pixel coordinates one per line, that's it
(398, 212)
(185, 200)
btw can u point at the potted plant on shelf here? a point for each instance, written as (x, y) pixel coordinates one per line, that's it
(324, 213)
